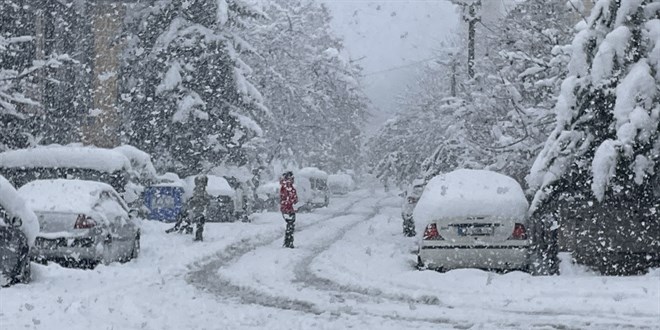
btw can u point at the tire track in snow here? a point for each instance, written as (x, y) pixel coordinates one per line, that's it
(204, 275)
(206, 278)
(305, 275)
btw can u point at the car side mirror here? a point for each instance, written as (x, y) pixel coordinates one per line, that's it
(15, 222)
(133, 213)
(402, 194)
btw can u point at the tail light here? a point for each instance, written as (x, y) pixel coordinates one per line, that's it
(412, 200)
(519, 232)
(431, 233)
(84, 222)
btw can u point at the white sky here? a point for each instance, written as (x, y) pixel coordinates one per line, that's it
(391, 34)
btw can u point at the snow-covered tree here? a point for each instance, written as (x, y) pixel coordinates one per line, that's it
(313, 91)
(500, 118)
(601, 164)
(21, 72)
(186, 94)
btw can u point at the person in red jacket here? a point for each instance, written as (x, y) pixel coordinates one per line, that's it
(288, 197)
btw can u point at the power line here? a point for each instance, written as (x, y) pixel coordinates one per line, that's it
(395, 68)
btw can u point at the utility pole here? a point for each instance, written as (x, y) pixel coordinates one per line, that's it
(472, 17)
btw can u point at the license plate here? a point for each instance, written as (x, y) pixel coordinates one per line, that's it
(475, 231)
(53, 243)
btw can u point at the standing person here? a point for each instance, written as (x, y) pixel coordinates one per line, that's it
(198, 205)
(239, 202)
(288, 197)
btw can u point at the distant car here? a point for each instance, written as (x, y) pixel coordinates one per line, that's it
(221, 208)
(18, 228)
(268, 196)
(164, 202)
(475, 219)
(340, 183)
(312, 187)
(410, 199)
(83, 223)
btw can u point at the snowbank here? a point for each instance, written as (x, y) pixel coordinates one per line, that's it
(102, 160)
(470, 193)
(15, 206)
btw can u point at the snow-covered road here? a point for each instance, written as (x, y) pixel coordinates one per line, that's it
(351, 268)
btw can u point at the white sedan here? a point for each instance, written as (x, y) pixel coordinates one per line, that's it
(475, 219)
(82, 222)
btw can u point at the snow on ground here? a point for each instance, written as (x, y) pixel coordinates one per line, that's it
(351, 268)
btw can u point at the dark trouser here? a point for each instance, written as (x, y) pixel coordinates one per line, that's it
(199, 225)
(290, 219)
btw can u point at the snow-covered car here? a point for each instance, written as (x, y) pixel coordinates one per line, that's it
(312, 187)
(126, 168)
(474, 219)
(18, 229)
(164, 200)
(221, 208)
(410, 199)
(82, 222)
(340, 183)
(268, 196)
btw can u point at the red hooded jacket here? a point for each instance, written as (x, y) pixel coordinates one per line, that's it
(288, 196)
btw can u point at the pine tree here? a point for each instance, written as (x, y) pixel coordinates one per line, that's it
(313, 92)
(186, 96)
(24, 118)
(599, 169)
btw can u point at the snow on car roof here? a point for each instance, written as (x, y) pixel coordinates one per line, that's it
(217, 186)
(140, 161)
(269, 187)
(471, 193)
(343, 180)
(312, 172)
(11, 201)
(103, 160)
(61, 195)
(169, 179)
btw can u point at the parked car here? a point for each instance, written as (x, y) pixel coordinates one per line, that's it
(18, 229)
(474, 219)
(222, 194)
(268, 196)
(340, 183)
(312, 186)
(127, 169)
(164, 200)
(410, 199)
(82, 222)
